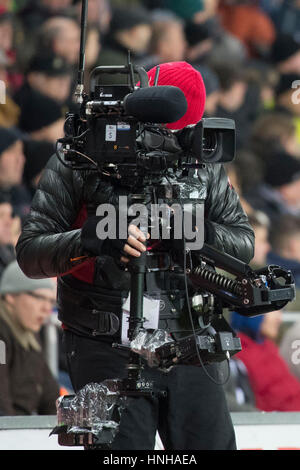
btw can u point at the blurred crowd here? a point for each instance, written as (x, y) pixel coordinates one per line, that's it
(248, 52)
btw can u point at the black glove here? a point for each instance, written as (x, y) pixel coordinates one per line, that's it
(97, 247)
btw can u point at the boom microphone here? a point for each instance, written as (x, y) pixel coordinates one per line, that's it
(159, 104)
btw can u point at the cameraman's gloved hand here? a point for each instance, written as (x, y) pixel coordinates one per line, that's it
(118, 248)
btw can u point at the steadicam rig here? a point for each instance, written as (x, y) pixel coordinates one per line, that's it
(249, 293)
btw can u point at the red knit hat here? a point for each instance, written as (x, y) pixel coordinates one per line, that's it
(189, 80)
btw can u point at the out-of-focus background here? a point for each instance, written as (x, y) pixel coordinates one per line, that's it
(248, 52)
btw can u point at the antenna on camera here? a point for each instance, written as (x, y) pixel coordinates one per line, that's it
(156, 75)
(130, 69)
(80, 83)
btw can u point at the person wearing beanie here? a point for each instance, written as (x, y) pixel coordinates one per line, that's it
(273, 385)
(285, 54)
(48, 74)
(59, 238)
(27, 385)
(12, 162)
(37, 154)
(279, 192)
(7, 251)
(190, 82)
(42, 118)
(130, 29)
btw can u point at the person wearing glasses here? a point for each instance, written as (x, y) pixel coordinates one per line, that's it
(26, 384)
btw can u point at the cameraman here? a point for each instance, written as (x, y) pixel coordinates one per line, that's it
(59, 239)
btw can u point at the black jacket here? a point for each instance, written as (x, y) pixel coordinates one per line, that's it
(50, 243)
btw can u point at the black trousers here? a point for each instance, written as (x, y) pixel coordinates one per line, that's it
(193, 415)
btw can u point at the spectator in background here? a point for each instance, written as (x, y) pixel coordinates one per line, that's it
(260, 224)
(279, 193)
(9, 110)
(61, 35)
(236, 100)
(7, 34)
(99, 13)
(209, 43)
(37, 154)
(168, 41)
(48, 74)
(201, 40)
(42, 118)
(212, 87)
(288, 99)
(248, 23)
(7, 251)
(27, 385)
(274, 132)
(273, 385)
(285, 54)
(36, 12)
(287, 17)
(12, 162)
(129, 29)
(285, 240)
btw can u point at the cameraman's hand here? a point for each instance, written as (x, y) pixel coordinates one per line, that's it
(135, 243)
(117, 248)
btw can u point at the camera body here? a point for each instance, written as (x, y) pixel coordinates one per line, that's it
(119, 132)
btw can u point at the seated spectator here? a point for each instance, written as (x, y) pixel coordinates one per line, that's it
(287, 99)
(279, 194)
(7, 32)
(9, 110)
(209, 43)
(129, 29)
(27, 386)
(37, 154)
(273, 385)
(237, 100)
(42, 118)
(99, 13)
(35, 13)
(201, 39)
(285, 241)
(248, 23)
(168, 41)
(287, 17)
(7, 251)
(212, 88)
(48, 74)
(61, 36)
(260, 224)
(12, 162)
(273, 132)
(285, 54)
